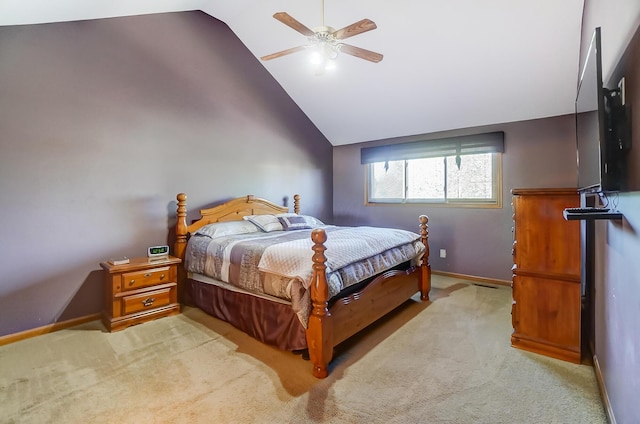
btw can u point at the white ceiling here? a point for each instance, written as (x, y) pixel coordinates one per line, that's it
(447, 64)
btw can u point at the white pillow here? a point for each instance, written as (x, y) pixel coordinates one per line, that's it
(220, 229)
(266, 223)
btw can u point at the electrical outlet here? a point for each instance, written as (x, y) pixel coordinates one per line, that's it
(443, 253)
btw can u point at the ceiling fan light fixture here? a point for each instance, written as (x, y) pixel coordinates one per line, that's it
(324, 51)
(316, 57)
(331, 51)
(321, 62)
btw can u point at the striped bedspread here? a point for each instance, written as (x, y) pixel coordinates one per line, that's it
(279, 263)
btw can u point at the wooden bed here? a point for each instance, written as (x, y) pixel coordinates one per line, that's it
(331, 320)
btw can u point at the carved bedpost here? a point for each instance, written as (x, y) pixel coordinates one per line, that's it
(181, 226)
(320, 330)
(425, 277)
(296, 203)
(181, 239)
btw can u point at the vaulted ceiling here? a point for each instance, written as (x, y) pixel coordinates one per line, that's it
(447, 64)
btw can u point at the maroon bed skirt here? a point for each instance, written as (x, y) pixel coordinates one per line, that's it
(270, 322)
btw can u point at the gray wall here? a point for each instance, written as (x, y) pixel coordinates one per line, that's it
(617, 250)
(104, 122)
(538, 153)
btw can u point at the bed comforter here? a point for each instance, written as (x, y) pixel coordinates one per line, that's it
(279, 263)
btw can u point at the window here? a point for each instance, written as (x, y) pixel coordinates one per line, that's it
(460, 171)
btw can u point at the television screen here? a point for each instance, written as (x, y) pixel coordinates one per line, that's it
(602, 128)
(591, 120)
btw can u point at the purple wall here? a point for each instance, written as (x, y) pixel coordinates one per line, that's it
(617, 243)
(538, 153)
(104, 122)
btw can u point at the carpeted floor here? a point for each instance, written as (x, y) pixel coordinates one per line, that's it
(444, 361)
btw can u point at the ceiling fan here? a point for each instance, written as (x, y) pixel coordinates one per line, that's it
(326, 40)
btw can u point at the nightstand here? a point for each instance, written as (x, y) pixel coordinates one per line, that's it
(140, 291)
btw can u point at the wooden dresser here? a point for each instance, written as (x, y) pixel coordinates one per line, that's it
(546, 307)
(139, 291)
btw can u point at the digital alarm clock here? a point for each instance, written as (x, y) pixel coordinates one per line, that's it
(158, 252)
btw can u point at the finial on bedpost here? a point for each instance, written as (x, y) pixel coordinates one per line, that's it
(319, 333)
(425, 278)
(296, 203)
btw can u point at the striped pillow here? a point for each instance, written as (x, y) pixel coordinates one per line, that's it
(266, 223)
(292, 221)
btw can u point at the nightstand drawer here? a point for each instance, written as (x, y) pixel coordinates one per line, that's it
(145, 278)
(148, 300)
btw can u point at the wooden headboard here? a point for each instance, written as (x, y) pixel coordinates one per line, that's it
(233, 210)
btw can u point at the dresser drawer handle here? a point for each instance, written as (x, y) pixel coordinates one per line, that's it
(161, 276)
(148, 302)
(132, 282)
(147, 275)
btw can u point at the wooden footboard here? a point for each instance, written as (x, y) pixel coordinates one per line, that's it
(348, 315)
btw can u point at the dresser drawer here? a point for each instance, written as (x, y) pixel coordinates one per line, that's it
(148, 300)
(145, 278)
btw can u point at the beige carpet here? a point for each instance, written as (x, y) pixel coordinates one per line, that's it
(445, 361)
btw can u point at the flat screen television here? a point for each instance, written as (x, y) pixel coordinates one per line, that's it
(599, 128)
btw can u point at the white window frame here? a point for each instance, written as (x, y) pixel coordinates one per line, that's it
(496, 201)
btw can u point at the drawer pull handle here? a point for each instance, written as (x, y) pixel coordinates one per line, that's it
(147, 275)
(148, 302)
(132, 282)
(161, 276)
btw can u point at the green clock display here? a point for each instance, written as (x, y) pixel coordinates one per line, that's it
(157, 251)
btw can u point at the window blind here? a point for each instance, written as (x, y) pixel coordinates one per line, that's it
(452, 146)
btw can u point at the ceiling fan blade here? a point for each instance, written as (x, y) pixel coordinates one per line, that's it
(355, 29)
(283, 53)
(286, 19)
(361, 53)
